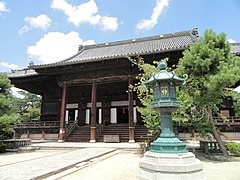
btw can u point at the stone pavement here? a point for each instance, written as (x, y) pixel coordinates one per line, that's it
(39, 167)
(75, 160)
(57, 157)
(54, 145)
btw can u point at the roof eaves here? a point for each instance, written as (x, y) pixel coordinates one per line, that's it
(192, 33)
(235, 48)
(22, 73)
(63, 63)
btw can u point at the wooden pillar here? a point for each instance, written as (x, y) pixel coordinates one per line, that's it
(28, 134)
(43, 135)
(16, 135)
(130, 112)
(93, 112)
(106, 107)
(62, 113)
(82, 106)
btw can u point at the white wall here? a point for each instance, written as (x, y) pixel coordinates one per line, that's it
(66, 116)
(113, 115)
(87, 116)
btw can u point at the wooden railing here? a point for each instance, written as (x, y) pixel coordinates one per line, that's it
(230, 121)
(69, 128)
(38, 124)
(210, 146)
(16, 143)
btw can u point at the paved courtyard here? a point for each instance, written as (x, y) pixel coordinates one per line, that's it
(101, 161)
(124, 166)
(42, 163)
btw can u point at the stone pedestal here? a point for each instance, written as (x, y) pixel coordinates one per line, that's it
(158, 166)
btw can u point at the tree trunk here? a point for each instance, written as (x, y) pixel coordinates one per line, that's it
(216, 135)
(193, 133)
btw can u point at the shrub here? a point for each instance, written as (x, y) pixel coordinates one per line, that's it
(233, 148)
(3, 148)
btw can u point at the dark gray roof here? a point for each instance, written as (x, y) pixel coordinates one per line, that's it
(235, 48)
(22, 73)
(133, 47)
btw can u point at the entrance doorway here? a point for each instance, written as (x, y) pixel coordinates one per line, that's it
(98, 116)
(122, 115)
(71, 115)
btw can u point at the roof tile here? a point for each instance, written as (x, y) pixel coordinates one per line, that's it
(141, 46)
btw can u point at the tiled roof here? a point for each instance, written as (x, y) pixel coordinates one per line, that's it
(133, 47)
(235, 48)
(22, 73)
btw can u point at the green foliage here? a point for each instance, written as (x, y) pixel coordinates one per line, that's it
(150, 117)
(151, 120)
(233, 148)
(211, 69)
(7, 114)
(236, 103)
(5, 95)
(29, 106)
(2, 148)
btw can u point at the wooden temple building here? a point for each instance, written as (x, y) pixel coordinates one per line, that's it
(86, 97)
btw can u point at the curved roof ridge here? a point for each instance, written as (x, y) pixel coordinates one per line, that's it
(131, 47)
(191, 32)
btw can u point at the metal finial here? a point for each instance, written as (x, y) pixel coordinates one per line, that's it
(162, 65)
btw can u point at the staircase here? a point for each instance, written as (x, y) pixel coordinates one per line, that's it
(82, 133)
(115, 129)
(140, 134)
(79, 134)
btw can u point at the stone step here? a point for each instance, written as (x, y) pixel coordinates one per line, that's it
(82, 133)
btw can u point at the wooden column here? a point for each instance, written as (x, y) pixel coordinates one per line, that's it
(130, 112)
(28, 134)
(82, 106)
(62, 113)
(93, 112)
(43, 135)
(106, 107)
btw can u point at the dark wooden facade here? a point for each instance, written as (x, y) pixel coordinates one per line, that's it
(91, 88)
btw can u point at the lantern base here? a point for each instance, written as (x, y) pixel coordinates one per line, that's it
(168, 145)
(155, 166)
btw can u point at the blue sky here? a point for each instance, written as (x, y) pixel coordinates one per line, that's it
(51, 30)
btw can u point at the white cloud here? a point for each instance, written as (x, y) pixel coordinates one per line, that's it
(231, 41)
(3, 7)
(24, 29)
(147, 24)
(56, 46)
(109, 23)
(42, 22)
(8, 65)
(85, 13)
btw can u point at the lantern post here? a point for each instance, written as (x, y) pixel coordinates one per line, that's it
(168, 157)
(164, 86)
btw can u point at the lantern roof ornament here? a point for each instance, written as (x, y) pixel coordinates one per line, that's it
(164, 75)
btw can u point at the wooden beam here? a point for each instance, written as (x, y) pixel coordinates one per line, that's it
(106, 79)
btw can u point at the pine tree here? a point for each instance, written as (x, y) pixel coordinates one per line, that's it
(7, 114)
(29, 106)
(211, 69)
